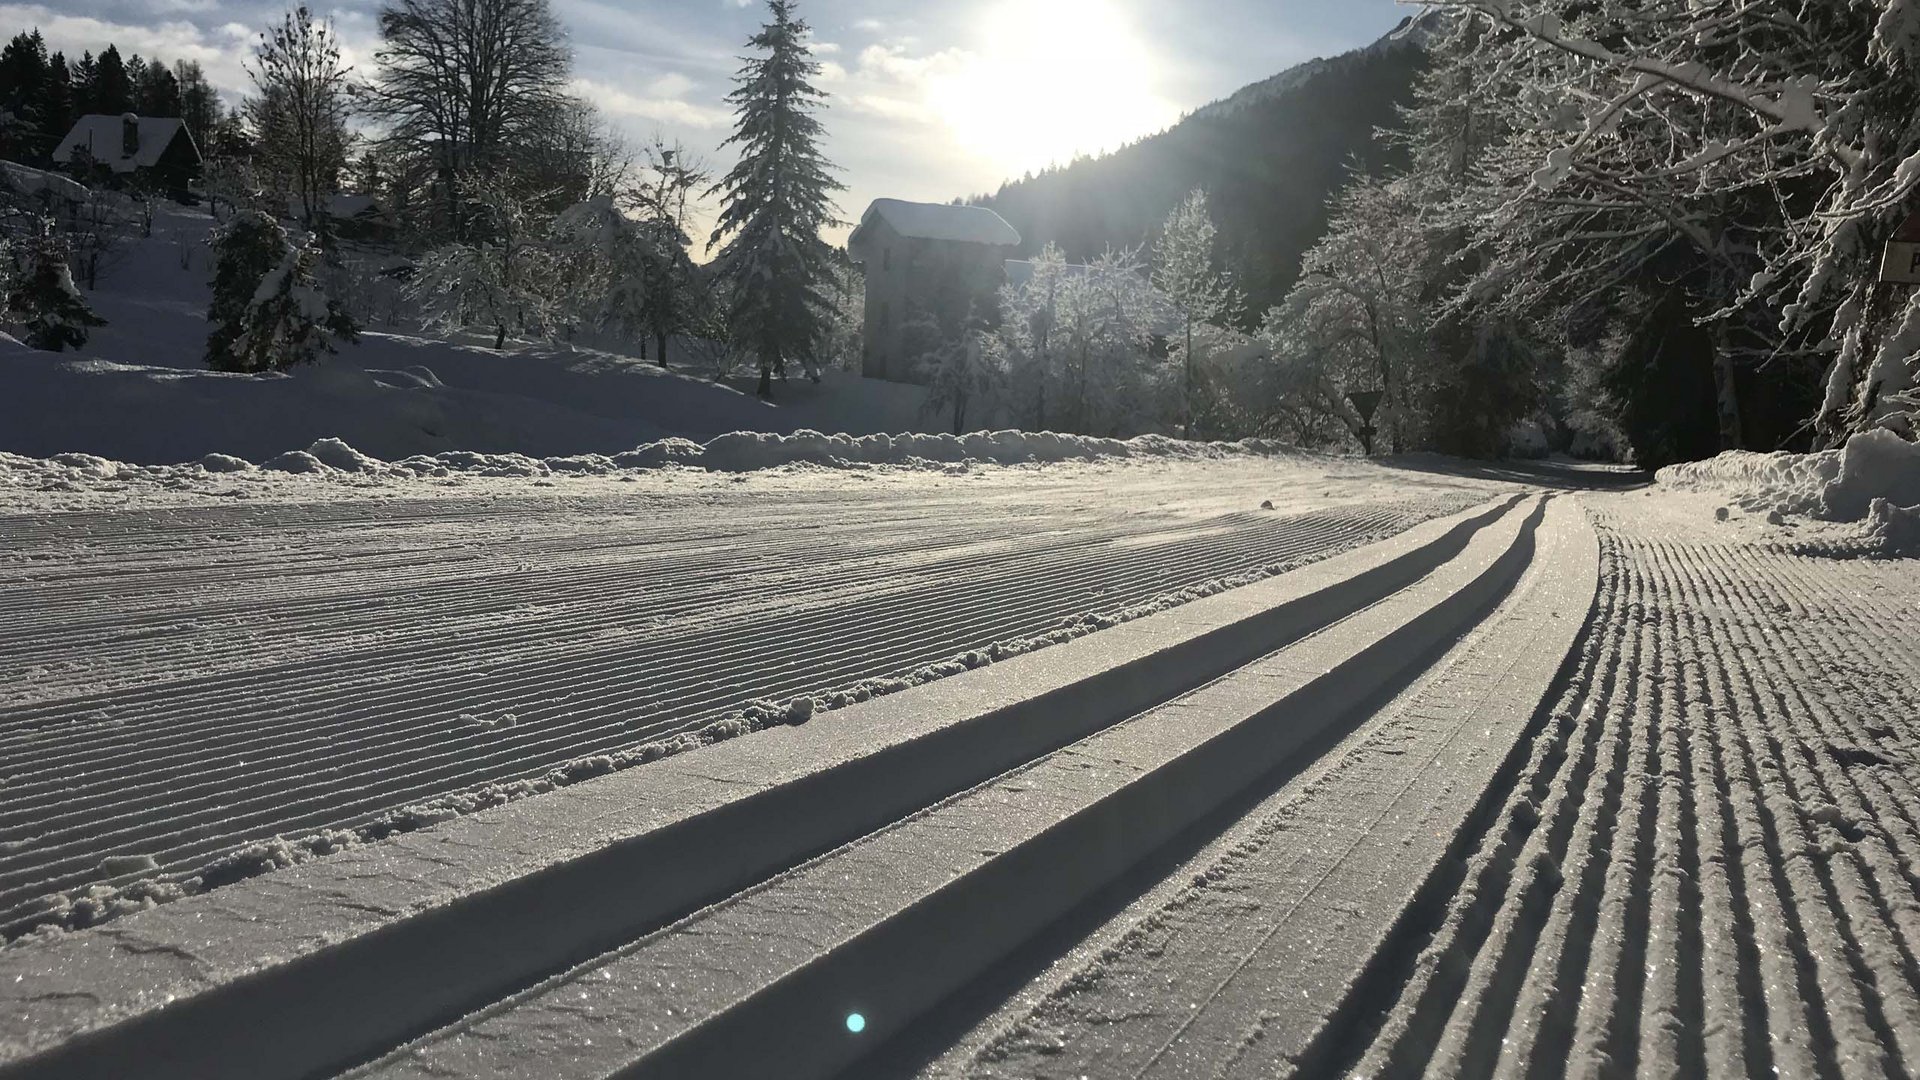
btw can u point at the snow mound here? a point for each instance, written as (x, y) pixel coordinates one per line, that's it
(1874, 480)
(735, 452)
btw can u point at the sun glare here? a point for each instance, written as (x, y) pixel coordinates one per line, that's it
(1050, 79)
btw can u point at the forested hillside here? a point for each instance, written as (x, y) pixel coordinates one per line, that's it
(1270, 158)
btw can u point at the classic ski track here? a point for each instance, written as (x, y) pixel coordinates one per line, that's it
(341, 730)
(1710, 865)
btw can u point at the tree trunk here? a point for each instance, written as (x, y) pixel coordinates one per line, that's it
(1186, 386)
(500, 337)
(1725, 391)
(660, 339)
(766, 381)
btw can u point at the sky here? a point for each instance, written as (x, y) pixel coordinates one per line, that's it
(929, 100)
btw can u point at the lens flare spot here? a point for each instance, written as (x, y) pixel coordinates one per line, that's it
(856, 1023)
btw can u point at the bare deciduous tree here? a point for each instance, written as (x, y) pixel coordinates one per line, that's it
(462, 82)
(300, 110)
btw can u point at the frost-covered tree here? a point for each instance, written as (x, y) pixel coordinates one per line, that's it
(847, 327)
(1357, 307)
(964, 372)
(503, 278)
(1028, 339)
(1756, 155)
(1185, 273)
(290, 319)
(606, 259)
(666, 201)
(1111, 383)
(44, 299)
(299, 111)
(775, 201)
(245, 250)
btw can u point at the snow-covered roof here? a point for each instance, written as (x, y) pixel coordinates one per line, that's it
(939, 221)
(104, 137)
(29, 181)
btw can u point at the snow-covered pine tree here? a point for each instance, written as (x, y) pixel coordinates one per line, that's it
(45, 301)
(775, 202)
(1201, 295)
(290, 320)
(245, 250)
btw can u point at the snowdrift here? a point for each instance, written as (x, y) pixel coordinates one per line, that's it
(1874, 480)
(735, 452)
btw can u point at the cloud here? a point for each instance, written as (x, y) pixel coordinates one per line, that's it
(671, 85)
(663, 108)
(825, 48)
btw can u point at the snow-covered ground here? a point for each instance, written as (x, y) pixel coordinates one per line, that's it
(1690, 852)
(189, 683)
(1860, 499)
(139, 390)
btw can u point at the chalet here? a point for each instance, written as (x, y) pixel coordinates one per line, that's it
(153, 151)
(927, 258)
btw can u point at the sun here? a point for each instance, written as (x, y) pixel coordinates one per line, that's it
(1051, 79)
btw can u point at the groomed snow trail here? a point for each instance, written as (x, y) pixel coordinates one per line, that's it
(186, 682)
(1707, 866)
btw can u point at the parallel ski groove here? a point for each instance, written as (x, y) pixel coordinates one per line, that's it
(1724, 876)
(210, 762)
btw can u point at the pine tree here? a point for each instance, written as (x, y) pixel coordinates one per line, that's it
(23, 88)
(245, 250)
(776, 201)
(45, 299)
(56, 104)
(290, 320)
(110, 90)
(156, 92)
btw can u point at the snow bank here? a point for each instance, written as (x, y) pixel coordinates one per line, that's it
(1874, 481)
(736, 452)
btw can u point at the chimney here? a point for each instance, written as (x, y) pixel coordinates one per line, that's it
(129, 135)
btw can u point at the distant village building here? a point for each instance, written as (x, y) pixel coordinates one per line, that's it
(155, 150)
(353, 217)
(926, 258)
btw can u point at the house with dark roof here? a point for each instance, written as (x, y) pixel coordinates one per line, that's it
(154, 151)
(925, 259)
